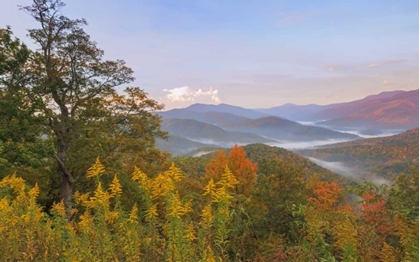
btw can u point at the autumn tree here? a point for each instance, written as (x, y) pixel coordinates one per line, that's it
(74, 90)
(242, 168)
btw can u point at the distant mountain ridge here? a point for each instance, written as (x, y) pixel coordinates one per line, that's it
(359, 108)
(209, 134)
(283, 129)
(224, 125)
(391, 110)
(225, 108)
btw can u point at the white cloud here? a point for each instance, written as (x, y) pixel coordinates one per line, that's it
(186, 93)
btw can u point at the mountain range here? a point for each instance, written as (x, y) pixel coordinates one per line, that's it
(393, 110)
(205, 125)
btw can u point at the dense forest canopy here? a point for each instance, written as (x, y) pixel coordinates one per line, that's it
(81, 178)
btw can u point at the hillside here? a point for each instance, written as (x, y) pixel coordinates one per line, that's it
(177, 145)
(294, 112)
(286, 130)
(208, 134)
(391, 110)
(211, 117)
(396, 110)
(370, 157)
(260, 154)
(225, 108)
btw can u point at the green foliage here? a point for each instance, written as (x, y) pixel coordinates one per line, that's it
(384, 157)
(63, 95)
(288, 217)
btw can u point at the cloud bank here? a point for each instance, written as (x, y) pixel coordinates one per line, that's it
(188, 94)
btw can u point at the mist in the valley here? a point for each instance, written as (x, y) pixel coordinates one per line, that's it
(306, 123)
(204, 152)
(337, 167)
(355, 174)
(211, 142)
(378, 133)
(307, 144)
(383, 133)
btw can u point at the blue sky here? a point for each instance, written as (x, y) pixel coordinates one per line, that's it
(252, 53)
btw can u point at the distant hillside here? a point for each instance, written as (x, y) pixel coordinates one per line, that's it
(224, 108)
(295, 112)
(385, 156)
(390, 110)
(177, 145)
(211, 117)
(260, 154)
(286, 130)
(397, 110)
(208, 134)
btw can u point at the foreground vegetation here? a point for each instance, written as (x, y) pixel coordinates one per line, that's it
(232, 215)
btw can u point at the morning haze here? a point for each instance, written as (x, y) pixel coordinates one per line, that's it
(253, 55)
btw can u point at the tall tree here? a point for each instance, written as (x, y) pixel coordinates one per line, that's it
(74, 89)
(242, 168)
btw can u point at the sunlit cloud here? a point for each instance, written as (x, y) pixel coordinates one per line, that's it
(188, 94)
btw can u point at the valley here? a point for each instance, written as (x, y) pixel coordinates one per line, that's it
(363, 140)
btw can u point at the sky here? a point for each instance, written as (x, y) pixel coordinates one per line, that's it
(254, 54)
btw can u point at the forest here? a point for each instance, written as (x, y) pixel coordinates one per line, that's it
(81, 178)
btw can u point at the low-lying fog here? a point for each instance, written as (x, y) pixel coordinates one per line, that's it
(202, 153)
(383, 134)
(307, 144)
(351, 173)
(337, 167)
(378, 133)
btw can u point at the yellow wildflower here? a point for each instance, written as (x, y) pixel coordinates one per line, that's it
(59, 208)
(96, 169)
(115, 187)
(111, 216)
(209, 188)
(190, 233)
(151, 213)
(206, 215)
(133, 215)
(34, 192)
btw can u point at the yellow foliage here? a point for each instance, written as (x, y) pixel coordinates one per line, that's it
(111, 216)
(209, 188)
(144, 181)
(115, 187)
(190, 233)
(228, 180)
(133, 214)
(34, 192)
(151, 213)
(389, 254)
(86, 222)
(59, 208)
(176, 209)
(206, 215)
(14, 182)
(96, 169)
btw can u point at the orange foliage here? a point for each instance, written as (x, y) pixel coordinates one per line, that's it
(242, 168)
(374, 213)
(216, 167)
(327, 194)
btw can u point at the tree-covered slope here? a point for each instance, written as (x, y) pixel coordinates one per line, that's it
(385, 156)
(286, 130)
(207, 133)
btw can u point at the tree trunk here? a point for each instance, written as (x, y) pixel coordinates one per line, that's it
(66, 192)
(66, 178)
